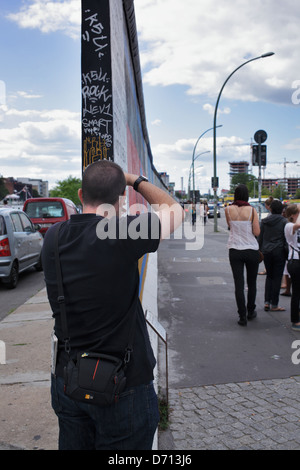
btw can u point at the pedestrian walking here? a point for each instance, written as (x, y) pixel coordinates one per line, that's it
(99, 264)
(243, 223)
(193, 213)
(292, 234)
(286, 280)
(267, 206)
(272, 244)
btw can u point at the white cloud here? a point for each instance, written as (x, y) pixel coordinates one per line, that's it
(51, 16)
(25, 95)
(211, 109)
(2, 93)
(43, 144)
(293, 145)
(156, 122)
(177, 158)
(198, 44)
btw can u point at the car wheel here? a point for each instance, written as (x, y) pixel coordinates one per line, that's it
(13, 278)
(39, 266)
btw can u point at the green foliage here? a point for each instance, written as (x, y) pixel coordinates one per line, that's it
(163, 413)
(278, 192)
(240, 178)
(67, 188)
(3, 190)
(297, 194)
(245, 178)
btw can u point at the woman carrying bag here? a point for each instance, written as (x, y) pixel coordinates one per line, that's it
(242, 220)
(272, 244)
(292, 235)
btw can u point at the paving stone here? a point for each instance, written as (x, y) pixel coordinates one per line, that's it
(262, 415)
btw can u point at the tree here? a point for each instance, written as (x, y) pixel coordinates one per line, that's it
(3, 190)
(279, 192)
(251, 182)
(67, 188)
(297, 194)
(245, 178)
(240, 178)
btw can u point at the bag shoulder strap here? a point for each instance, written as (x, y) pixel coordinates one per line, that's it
(62, 304)
(61, 296)
(294, 249)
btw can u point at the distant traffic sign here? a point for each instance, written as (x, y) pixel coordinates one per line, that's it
(260, 137)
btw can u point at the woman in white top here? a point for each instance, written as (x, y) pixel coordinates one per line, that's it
(292, 235)
(242, 220)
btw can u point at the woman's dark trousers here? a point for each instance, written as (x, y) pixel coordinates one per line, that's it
(294, 271)
(240, 259)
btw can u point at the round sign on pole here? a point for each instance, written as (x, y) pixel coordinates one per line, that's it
(260, 137)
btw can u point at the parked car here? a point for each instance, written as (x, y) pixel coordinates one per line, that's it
(211, 211)
(20, 245)
(260, 207)
(46, 211)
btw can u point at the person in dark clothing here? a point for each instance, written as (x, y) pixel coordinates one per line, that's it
(99, 252)
(292, 235)
(272, 244)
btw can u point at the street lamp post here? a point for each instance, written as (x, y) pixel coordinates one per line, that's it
(193, 158)
(268, 54)
(190, 172)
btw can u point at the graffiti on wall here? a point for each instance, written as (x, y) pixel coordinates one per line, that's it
(96, 83)
(113, 120)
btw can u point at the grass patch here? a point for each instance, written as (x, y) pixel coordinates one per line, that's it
(164, 413)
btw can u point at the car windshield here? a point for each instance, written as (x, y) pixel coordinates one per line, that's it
(262, 207)
(44, 209)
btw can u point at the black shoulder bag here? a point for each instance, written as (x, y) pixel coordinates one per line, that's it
(293, 260)
(92, 377)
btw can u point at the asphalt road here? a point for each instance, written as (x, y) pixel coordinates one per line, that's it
(30, 282)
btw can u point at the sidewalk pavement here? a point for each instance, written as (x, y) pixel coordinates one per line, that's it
(230, 387)
(257, 408)
(27, 419)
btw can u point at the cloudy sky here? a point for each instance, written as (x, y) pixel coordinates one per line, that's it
(187, 50)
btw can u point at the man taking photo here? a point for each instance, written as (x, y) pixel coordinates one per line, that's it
(100, 280)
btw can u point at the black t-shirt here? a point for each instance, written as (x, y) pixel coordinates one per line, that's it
(101, 279)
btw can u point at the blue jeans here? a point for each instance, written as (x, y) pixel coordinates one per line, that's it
(129, 424)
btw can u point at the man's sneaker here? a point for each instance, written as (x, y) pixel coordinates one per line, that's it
(295, 327)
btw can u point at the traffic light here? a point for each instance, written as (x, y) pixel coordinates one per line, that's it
(255, 156)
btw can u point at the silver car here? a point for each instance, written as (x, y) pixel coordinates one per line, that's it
(20, 245)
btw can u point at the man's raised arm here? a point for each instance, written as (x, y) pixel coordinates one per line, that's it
(169, 211)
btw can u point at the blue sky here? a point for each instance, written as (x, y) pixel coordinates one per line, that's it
(187, 50)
